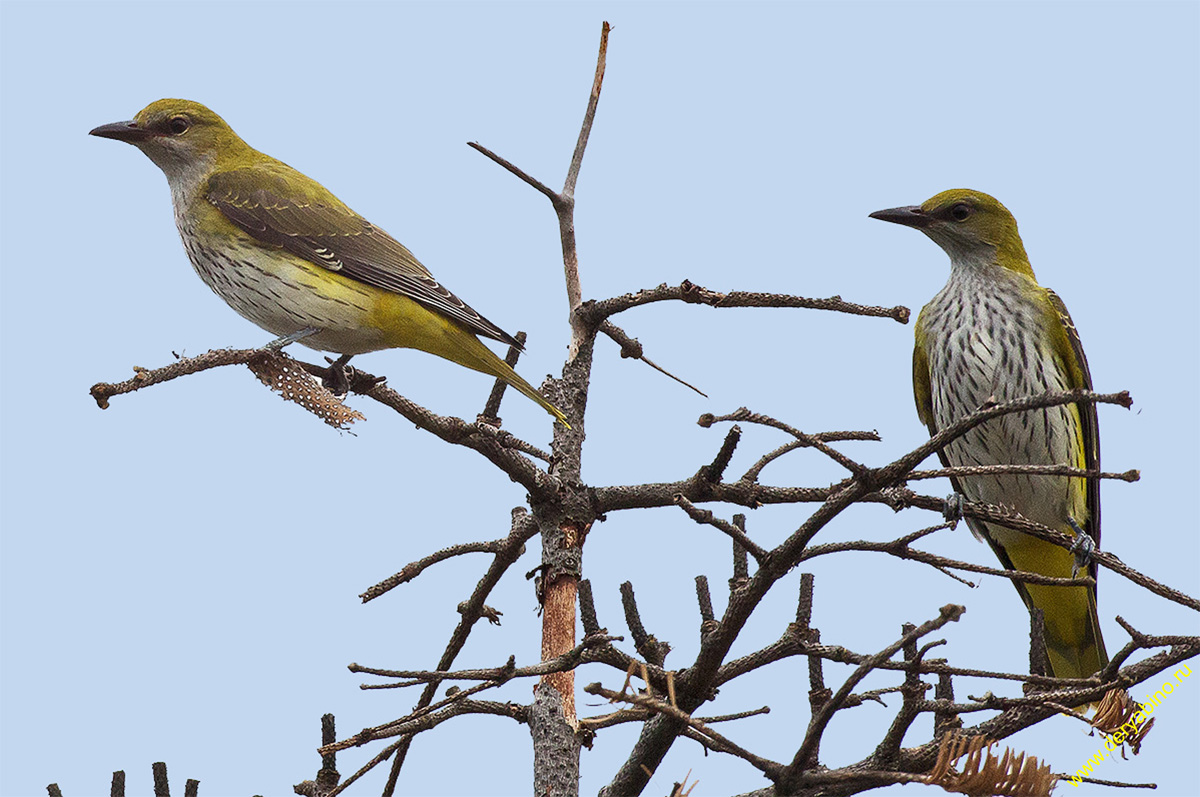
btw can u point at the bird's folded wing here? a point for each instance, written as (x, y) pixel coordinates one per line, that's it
(1080, 376)
(302, 217)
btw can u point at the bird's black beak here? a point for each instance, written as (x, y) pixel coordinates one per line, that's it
(910, 216)
(129, 132)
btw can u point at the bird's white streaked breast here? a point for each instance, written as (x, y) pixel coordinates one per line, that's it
(987, 340)
(279, 293)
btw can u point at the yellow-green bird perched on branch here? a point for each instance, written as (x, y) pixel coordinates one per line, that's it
(994, 333)
(288, 255)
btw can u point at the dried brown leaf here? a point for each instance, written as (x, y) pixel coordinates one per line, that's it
(983, 774)
(1117, 717)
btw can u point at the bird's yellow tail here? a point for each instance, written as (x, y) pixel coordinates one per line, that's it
(477, 356)
(408, 324)
(1072, 624)
(1075, 646)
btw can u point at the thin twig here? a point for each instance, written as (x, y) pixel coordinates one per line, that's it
(708, 518)
(515, 170)
(631, 348)
(766, 459)
(469, 435)
(380, 757)
(899, 549)
(414, 569)
(501, 674)
(1116, 784)
(712, 738)
(1010, 519)
(184, 366)
(739, 715)
(491, 410)
(814, 441)
(589, 116)
(523, 528)
(424, 721)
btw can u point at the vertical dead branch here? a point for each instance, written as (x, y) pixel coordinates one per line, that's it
(911, 692)
(491, 410)
(162, 788)
(587, 609)
(945, 721)
(565, 207)
(816, 727)
(327, 776)
(648, 646)
(704, 597)
(818, 693)
(741, 564)
(1039, 657)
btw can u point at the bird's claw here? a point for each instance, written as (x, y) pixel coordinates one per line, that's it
(1083, 548)
(952, 508)
(338, 376)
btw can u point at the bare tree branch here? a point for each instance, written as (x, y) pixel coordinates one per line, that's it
(183, 366)
(469, 435)
(707, 517)
(414, 569)
(808, 440)
(566, 661)
(710, 737)
(816, 727)
(595, 312)
(1012, 520)
(1039, 470)
(523, 528)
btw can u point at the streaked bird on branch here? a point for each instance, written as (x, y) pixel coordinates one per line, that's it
(288, 255)
(994, 334)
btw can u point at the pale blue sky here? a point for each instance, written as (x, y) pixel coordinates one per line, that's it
(180, 572)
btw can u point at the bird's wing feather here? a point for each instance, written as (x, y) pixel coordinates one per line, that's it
(923, 394)
(922, 390)
(303, 218)
(1079, 376)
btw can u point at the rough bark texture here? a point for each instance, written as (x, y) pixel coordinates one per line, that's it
(558, 637)
(555, 745)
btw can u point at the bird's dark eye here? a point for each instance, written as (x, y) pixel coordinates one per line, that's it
(178, 125)
(960, 212)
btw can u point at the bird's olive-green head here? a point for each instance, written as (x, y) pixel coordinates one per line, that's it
(184, 138)
(970, 226)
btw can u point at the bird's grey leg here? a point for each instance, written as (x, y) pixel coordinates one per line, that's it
(286, 340)
(336, 378)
